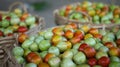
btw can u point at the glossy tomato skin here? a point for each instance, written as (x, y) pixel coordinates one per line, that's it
(82, 46)
(75, 40)
(48, 56)
(22, 29)
(104, 61)
(68, 34)
(90, 52)
(92, 61)
(8, 18)
(109, 44)
(79, 34)
(43, 65)
(22, 37)
(33, 58)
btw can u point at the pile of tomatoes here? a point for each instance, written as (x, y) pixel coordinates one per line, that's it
(16, 22)
(99, 12)
(70, 46)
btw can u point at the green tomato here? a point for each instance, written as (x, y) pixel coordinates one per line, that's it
(19, 59)
(79, 58)
(103, 32)
(76, 46)
(62, 46)
(83, 65)
(110, 35)
(90, 41)
(32, 38)
(110, 15)
(104, 18)
(7, 31)
(34, 47)
(32, 26)
(67, 63)
(54, 62)
(100, 5)
(77, 15)
(98, 45)
(104, 49)
(106, 39)
(100, 54)
(118, 34)
(48, 35)
(54, 50)
(112, 7)
(67, 54)
(114, 64)
(26, 44)
(107, 22)
(22, 24)
(26, 52)
(31, 65)
(97, 66)
(43, 54)
(74, 51)
(14, 20)
(117, 21)
(12, 14)
(96, 18)
(30, 20)
(39, 39)
(5, 23)
(18, 51)
(82, 20)
(44, 45)
(114, 59)
(96, 22)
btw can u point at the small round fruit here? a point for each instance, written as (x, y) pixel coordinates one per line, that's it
(31, 65)
(18, 51)
(19, 59)
(67, 54)
(54, 62)
(48, 56)
(114, 64)
(104, 61)
(22, 29)
(100, 54)
(30, 20)
(92, 61)
(54, 50)
(43, 65)
(44, 45)
(22, 38)
(34, 47)
(90, 41)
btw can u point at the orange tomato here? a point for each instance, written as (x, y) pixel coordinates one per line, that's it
(48, 56)
(22, 37)
(43, 65)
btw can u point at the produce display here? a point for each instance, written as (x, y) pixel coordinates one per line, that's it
(16, 22)
(70, 46)
(99, 13)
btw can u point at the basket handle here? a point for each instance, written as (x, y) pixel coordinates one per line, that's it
(89, 18)
(18, 3)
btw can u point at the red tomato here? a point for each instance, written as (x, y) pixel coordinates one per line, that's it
(1, 33)
(109, 44)
(98, 36)
(104, 61)
(78, 8)
(68, 7)
(10, 34)
(74, 26)
(48, 56)
(79, 34)
(75, 40)
(0, 17)
(90, 52)
(8, 18)
(93, 31)
(92, 61)
(22, 29)
(83, 46)
(33, 58)
(22, 37)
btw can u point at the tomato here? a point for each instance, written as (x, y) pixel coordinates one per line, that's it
(79, 34)
(0, 17)
(93, 31)
(25, 15)
(22, 37)
(118, 42)
(73, 25)
(8, 18)
(22, 29)
(90, 52)
(104, 61)
(43, 65)
(75, 40)
(98, 36)
(33, 58)
(58, 31)
(68, 34)
(10, 34)
(92, 61)
(48, 56)
(1, 33)
(109, 44)
(83, 46)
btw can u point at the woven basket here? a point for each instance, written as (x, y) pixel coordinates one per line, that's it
(13, 63)
(61, 20)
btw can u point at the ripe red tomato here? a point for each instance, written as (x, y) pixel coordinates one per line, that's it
(92, 61)
(8, 18)
(33, 58)
(82, 46)
(22, 37)
(104, 61)
(22, 29)
(90, 52)
(1, 33)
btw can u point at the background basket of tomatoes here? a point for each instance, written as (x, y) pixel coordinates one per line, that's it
(69, 45)
(88, 12)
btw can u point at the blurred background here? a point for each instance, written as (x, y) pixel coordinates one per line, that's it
(45, 8)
